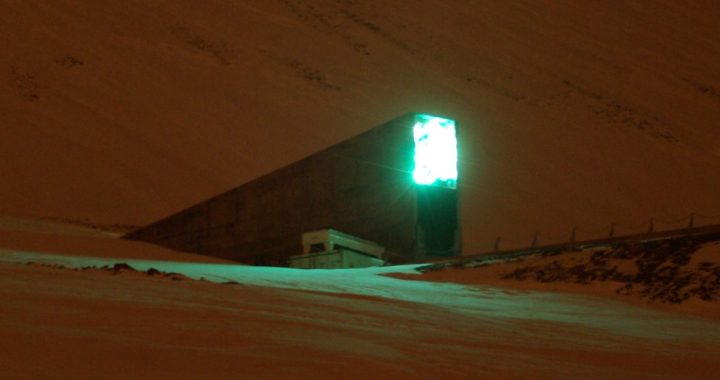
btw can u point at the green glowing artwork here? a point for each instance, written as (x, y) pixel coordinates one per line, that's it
(435, 151)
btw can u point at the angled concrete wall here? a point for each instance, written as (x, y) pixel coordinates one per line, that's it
(362, 186)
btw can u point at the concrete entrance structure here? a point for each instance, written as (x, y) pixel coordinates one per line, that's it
(364, 186)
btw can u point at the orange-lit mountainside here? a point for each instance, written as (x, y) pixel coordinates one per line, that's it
(570, 113)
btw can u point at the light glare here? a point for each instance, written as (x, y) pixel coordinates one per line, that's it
(435, 151)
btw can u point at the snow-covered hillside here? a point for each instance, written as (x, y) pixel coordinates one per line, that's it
(266, 323)
(571, 113)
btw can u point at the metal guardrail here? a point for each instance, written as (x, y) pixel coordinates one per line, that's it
(603, 242)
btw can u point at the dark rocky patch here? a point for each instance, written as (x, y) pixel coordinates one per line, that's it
(615, 112)
(663, 271)
(69, 61)
(26, 84)
(118, 268)
(216, 48)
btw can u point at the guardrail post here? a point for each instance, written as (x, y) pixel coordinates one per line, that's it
(497, 244)
(651, 228)
(612, 230)
(535, 240)
(572, 235)
(691, 224)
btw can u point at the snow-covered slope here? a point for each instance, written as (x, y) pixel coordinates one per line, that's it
(572, 113)
(302, 324)
(479, 302)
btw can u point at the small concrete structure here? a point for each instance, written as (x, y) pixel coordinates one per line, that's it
(331, 249)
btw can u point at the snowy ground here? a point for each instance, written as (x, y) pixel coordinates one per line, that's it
(471, 300)
(287, 323)
(263, 322)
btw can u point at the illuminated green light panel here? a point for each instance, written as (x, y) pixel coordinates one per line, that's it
(435, 151)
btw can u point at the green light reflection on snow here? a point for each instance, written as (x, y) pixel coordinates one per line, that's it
(484, 302)
(435, 151)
